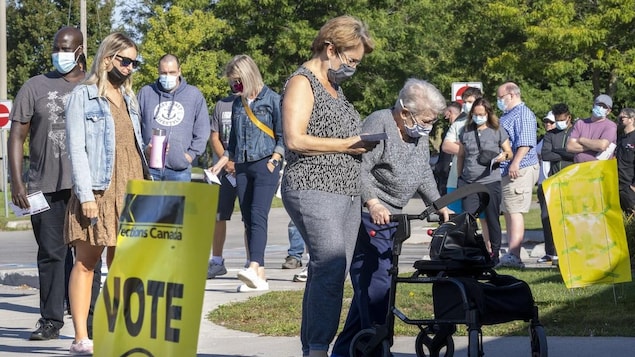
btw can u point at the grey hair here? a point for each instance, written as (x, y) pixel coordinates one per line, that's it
(419, 96)
(512, 88)
(629, 112)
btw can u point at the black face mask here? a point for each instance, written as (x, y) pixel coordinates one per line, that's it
(116, 77)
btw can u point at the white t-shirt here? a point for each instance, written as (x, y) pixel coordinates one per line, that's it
(455, 130)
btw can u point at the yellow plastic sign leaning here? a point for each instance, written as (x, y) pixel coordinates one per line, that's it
(151, 302)
(587, 224)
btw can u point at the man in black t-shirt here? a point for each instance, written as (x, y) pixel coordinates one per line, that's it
(625, 154)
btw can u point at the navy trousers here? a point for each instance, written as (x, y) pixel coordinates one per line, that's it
(371, 282)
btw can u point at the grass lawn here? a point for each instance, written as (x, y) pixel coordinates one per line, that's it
(590, 311)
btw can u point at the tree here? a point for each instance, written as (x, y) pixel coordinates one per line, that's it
(31, 26)
(195, 37)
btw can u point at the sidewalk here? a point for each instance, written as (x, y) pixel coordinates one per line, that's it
(19, 309)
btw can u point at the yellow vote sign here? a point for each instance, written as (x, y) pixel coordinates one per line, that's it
(151, 302)
(588, 228)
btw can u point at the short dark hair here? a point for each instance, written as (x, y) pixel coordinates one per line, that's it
(560, 108)
(455, 105)
(472, 92)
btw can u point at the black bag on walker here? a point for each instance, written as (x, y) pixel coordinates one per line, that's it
(502, 298)
(458, 240)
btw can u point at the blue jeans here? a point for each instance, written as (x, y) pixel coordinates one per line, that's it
(371, 282)
(329, 223)
(296, 242)
(256, 187)
(166, 174)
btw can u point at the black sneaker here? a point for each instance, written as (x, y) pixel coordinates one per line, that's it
(45, 331)
(546, 259)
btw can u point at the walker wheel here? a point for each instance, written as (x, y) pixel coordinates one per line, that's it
(538, 341)
(474, 343)
(423, 346)
(363, 345)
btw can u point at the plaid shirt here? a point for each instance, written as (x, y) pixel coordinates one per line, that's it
(520, 123)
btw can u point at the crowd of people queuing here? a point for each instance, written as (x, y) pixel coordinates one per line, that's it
(336, 186)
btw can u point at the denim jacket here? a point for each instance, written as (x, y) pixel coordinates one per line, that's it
(90, 131)
(247, 142)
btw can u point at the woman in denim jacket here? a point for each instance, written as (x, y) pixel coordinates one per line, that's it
(104, 139)
(257, 149)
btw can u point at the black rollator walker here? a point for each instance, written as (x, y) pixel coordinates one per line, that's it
(465, 289)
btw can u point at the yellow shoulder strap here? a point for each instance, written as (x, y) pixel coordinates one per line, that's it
(262, 126)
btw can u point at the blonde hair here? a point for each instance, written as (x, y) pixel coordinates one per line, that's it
(244, 68)
(345, 33)
(108, 49)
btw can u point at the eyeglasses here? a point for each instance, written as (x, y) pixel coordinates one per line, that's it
(349, 61)
(125, 61)
(503, 96)
(425, 121)
(548, 122)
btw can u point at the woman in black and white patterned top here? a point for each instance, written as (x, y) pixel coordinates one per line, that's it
(321, 187)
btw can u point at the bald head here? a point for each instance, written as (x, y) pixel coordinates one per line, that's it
(70, 37)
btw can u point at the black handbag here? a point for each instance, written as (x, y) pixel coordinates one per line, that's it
(458, 240)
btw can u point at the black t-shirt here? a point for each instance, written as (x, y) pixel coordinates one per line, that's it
(625, 154)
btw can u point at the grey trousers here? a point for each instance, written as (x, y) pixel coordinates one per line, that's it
(329, 224)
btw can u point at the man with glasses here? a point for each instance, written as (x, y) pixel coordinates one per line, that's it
(521, 173)
(180, 110)
(594, 137)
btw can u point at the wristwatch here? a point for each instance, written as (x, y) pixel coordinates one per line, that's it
(274, 162)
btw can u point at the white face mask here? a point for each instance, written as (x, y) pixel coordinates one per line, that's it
(561, 125)
(168, 82)
(64, 62)
(467, 106)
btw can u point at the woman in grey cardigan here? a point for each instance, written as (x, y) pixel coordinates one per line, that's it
(391, 173)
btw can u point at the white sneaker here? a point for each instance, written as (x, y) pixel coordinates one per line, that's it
(82, 348)
(250, 278)
(302, 276)
(243, 288)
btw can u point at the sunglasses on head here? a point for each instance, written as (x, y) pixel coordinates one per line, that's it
(125, 61)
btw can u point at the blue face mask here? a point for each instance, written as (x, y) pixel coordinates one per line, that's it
(64, 62)
(168, 82)
(417, 130)
(500, 103)
(561, 125)
(479, 119)
(599, 112)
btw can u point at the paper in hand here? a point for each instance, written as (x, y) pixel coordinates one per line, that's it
(36, 201)
(211, 178)
(374, 137)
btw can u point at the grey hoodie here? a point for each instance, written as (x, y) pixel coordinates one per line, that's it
(184, 116)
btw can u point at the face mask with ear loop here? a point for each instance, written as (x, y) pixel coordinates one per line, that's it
(344, 72)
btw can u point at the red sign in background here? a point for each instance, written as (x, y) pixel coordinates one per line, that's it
(4, 115)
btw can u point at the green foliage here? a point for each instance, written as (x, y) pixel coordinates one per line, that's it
(31, 26)
(590, 311)
(557, 50)
(201, 61)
